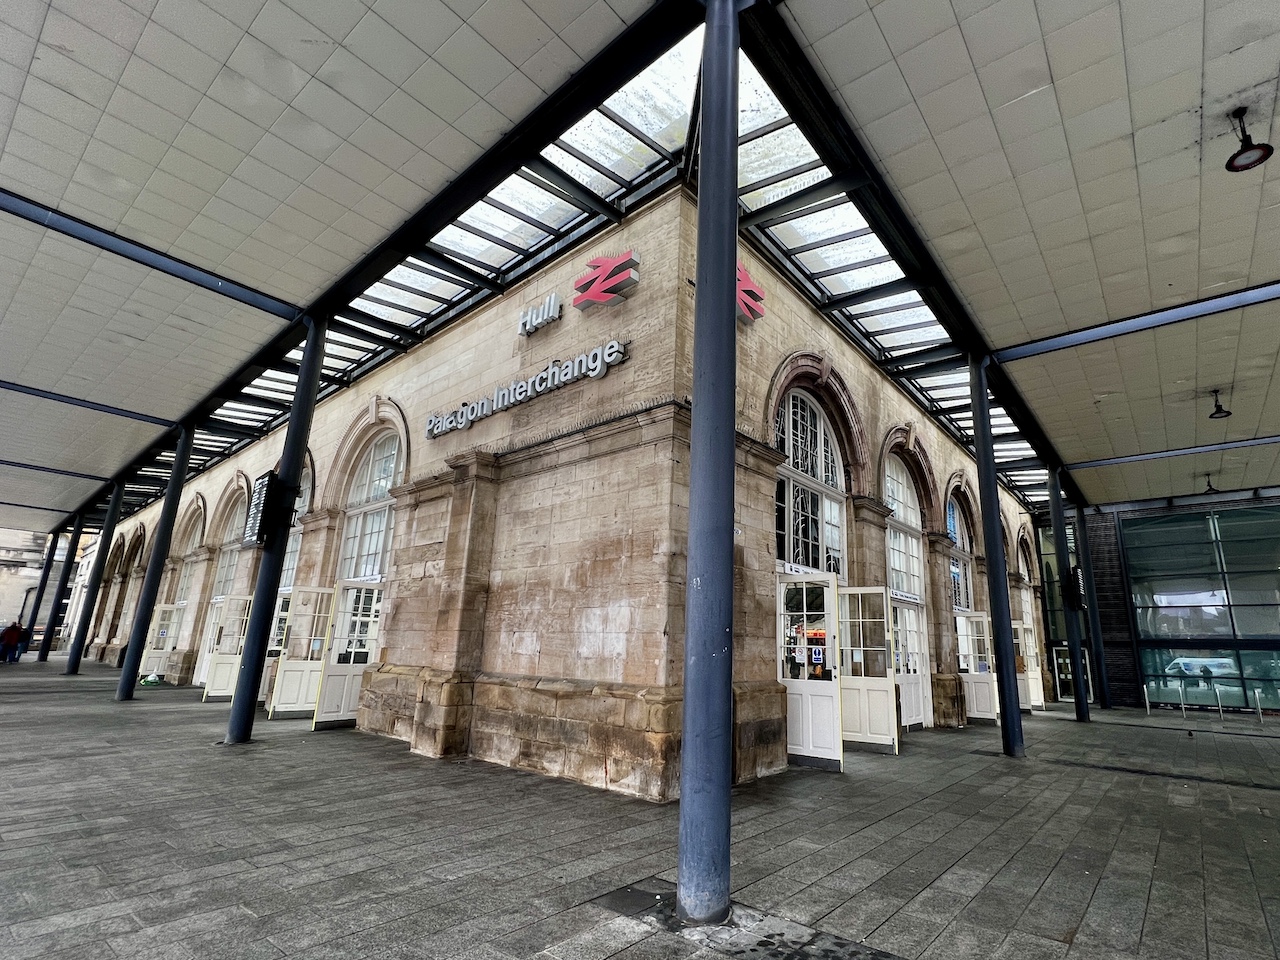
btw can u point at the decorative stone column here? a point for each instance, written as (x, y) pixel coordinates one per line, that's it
(444, 693)
(869, 563)
(948, 691)
(759, 700)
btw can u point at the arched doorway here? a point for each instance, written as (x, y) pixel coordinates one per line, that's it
(905, 562)
(363, 565)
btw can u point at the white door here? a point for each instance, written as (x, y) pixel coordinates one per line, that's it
(162, 638)
(977, 666)
(224, 640)
(868, 703)
(1026, 654)
(807, 667)
(353, 646)
(911, 664)
(304, 640)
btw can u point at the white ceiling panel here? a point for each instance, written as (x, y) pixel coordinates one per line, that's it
(92, 325)
(51, 434)
(272, 142)
(1064, 162)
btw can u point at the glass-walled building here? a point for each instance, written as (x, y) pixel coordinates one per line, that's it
(1205, 590)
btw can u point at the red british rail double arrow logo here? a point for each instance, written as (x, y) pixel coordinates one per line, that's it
(750, 296)
(609, 280)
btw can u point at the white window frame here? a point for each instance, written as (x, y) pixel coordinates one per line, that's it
(814, 472)
(961, 557)
(904, 533)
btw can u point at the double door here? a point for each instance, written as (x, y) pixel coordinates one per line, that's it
(911, 662)
(162, 639)
(977, 666)
(303, 626)
(808, 668)
(220, 649)
(352, 646)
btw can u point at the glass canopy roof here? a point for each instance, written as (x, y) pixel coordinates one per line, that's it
(624, 151)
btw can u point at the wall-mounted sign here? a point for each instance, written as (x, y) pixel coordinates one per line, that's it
(259, 500)
(609, 280)
(534, 318)
(750, 296)
(594, 364)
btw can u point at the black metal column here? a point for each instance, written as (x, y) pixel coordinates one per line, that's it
(60, 592)
(706, 760)
(1068, 591)
(1101, 686)
(95, 580)
(997, 569)
(49, 556)
(155, 567)
(244, 702)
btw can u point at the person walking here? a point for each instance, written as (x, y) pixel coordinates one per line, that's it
(10, 637)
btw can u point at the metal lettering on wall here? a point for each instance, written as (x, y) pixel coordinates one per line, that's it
(593, 364)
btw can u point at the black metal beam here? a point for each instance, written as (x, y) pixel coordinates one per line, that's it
(768, 41)
(27, 506)
(1026, 463)
(928, 355)
(86, 404)
(389, 327)
(936, 368)
(891, 289)
(365, 336)
(830, 187)
(224, 428)
(575, 192)
(140, 253)
(56, 471)
(1179, 452)
(1264, 293)
(635, 48)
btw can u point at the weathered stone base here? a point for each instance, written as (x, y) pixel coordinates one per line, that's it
(948, 700)
(181, 668)
(388, 700)
(615, 736)
(759, 730)
(113, 654)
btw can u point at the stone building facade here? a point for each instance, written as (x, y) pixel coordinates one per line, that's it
(527, 605)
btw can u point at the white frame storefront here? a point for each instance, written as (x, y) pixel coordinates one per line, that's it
(909, 629)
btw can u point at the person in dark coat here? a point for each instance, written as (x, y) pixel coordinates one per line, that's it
(10, 637)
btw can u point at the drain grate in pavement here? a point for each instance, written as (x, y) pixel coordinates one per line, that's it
(747, 935)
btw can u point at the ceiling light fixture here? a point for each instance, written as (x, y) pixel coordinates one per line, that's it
(1208, 486)
(1219, 413)
(1250, 154)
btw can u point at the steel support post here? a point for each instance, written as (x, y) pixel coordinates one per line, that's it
(155, 567)
(95, 580)
(49, 556)
(1100, 683)
(997, 569)
(244, 703)
(1067, 590)
(60, 591)
(706, 759)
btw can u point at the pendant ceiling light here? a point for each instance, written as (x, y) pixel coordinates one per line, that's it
(1250, 154)
(1219, 413)
(1208, 485)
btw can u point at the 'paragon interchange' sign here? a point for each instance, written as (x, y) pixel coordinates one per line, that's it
(594, 363)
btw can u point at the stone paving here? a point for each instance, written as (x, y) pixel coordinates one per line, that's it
(126, 831)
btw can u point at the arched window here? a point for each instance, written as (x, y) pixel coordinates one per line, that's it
(289, 570)
(904, 531)
(366, 541)
(301, 504)
(809, 506)
(183, 593)
(224, 576)
(961, 557)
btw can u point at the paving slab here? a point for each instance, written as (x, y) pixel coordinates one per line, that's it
(127, 830)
